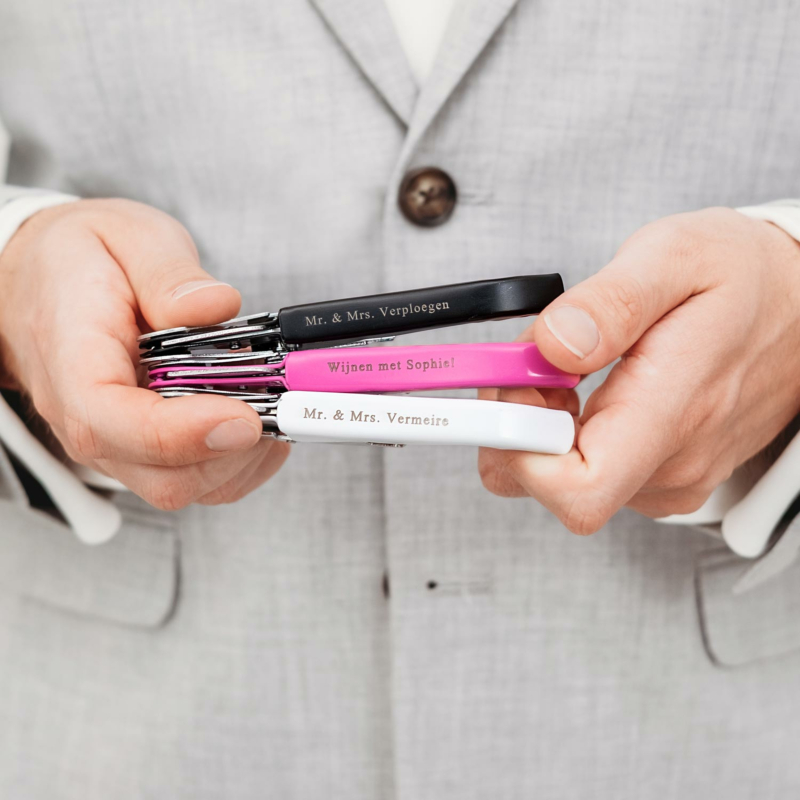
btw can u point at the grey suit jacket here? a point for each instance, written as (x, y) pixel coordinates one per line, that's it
(373, 624)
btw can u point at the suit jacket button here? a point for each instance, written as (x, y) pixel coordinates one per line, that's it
(427, 196)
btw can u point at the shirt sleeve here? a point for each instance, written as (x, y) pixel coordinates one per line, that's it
(17, 204)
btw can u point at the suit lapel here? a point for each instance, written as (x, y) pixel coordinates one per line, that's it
(366, 31)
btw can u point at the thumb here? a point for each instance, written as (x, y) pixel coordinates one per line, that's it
(600, 319)
(163, 268)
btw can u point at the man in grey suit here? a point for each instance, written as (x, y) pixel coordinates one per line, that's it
(370, 623)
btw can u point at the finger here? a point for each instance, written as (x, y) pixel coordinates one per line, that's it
(595, 322)
(529, 335)
(635, 430)
(665, 503)
(596, 478)
(88, 391)
(557, 399)
(173, 488)
(83, 381)
(500, 474)
(497, 467)
(523, 396)
(161, 263)
(272, 458)
(128, 424)
(562, 400)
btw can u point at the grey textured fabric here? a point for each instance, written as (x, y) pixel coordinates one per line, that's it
(733, 621)
(783, 555)
(262, 657)
(133, 580)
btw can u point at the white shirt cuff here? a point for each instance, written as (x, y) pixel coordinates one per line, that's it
(18, 204)
(783, 213)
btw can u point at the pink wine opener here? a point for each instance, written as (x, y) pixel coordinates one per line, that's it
(382, 369)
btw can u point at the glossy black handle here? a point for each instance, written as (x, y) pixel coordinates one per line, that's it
(420, 309)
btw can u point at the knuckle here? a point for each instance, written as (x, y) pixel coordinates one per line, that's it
(588, 513)
(728, 401)
(626, 299)
(168, 493)
(158, 448)
(583, 522)
(154, 447)
(692, 475)
(56, 233)
(683, 238)
(169, 272)
(494, 469)
(80, 438)
(115, 211)
(176, 269)
(487, 469)
(85, 214)
(224, 495)
(686, 502)
(122, 206)
(685, 241)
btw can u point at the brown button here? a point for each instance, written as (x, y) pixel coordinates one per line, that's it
(427, 196)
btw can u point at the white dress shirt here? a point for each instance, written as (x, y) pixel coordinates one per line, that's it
(420, 26)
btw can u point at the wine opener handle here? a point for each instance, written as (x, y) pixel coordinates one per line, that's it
(419, 309)
(380, 419)
(423, 367)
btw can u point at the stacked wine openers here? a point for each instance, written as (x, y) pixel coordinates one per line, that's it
(312, 371)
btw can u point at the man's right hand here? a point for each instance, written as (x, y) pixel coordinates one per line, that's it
(78, 284)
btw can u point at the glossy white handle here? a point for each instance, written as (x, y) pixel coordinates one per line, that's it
(392, 419)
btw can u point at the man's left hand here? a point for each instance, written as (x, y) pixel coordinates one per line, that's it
(703, 311)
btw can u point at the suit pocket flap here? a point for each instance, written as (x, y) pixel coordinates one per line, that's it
(131, 580)
(740, 628)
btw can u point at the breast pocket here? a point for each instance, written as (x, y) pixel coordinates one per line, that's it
(739, 629)
(132, 580)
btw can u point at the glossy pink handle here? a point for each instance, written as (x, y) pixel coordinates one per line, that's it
(395, 369)
(421, 367)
